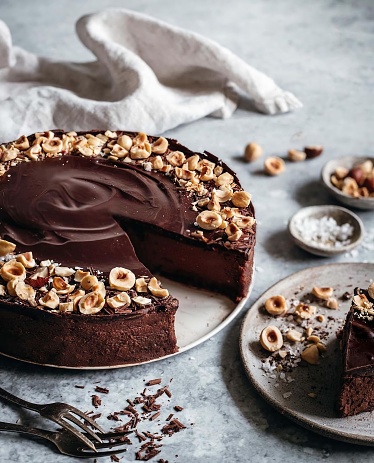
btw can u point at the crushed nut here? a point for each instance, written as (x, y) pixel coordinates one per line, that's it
(323, 293)
(156, 290)
(6, 247)
(50, 300)
(305, 311)
(142, 300)
(311, 354)
(294, 335)
(26, 259)
(276, 305)
(332, 303)
(121, 278)
(88, 281)
(241, 199)
(119, 300)
(91, 303)
(209, 220)
(271, 338)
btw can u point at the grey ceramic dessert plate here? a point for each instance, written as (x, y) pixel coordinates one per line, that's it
(317, 414)
(347, 162)
(341, 216)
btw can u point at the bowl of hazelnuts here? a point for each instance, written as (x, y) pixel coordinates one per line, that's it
(351, 180)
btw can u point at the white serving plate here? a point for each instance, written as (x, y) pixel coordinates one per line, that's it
(201, 315)
(317, 414)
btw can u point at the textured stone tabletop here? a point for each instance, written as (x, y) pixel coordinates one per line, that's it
(323, 52)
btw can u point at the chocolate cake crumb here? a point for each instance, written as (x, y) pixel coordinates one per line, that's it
(152, 382)
(103, 390)
(96, 401)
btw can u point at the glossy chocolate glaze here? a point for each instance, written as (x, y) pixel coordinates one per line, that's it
(75, 210)
(359, 352)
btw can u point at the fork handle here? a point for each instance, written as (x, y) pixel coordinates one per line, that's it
(16, 400)
(44, 434)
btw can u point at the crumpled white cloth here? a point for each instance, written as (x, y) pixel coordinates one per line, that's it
(148, 76)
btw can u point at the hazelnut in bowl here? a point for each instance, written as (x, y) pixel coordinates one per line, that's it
(351, 180)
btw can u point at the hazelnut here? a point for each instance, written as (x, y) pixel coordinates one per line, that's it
(6, 247)
(233, 232)
(139, 153)
(26, 259)
(64, 271)
(88, 281)
(11, 287)
(366, 166)
(24, 291)
(350, 187)
(357, 174)
(53, 145)
(9, 154)
(362, 302)
(369, 184)
(91, 303)
(274, 165)
(33, 152)
(224, 179)
(271, 338)
(244, 221)
(371, 290)
(241, 199)
(22, 143)
(332, 303)
(66, 307)
(157, 163)
(320, 318)
(160, 146)
(121, 278)
(313, 338)
(311, 354)
(176, 158)
(309, 331)
(205, 163)
(79, 275)
(2, 290)
(119, 300)
(206, 174)
(296, 155)
(141, 285)
(214, 204)
(209, 220)
(110, 134)
(321, 347)
(193, 162)
(276, 305)
(341, 172)
(50, 300)
(223, 195)
(294, 335)
(13, 269)
(252, 152)
(305, 311)
(155, 288)
(119, 151)
(61, 286)
(313, 151)
(125, 142)
(218, 170)
(99, 288)
(323, 293)
(140, 300)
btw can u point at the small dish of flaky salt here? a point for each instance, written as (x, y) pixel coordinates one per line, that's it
(326, 230)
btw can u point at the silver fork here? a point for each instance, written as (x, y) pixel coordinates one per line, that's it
(69, 445)
(59, 413)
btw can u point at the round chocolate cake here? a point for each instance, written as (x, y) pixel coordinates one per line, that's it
(84, 220)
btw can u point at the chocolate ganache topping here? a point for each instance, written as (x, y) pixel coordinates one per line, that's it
(76, 210)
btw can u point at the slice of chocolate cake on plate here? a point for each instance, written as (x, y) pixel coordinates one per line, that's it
(357, 388)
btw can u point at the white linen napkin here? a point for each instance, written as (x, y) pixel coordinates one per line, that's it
(148, 76)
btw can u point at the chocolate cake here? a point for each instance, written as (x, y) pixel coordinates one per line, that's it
(357, 388)
(86, 210)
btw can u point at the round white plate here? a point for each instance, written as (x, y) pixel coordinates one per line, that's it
(201, 314)
(317, 414)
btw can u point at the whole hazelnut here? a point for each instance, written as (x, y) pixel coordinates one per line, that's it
(253, 151)
(369, 184)
(358, 174)
(313, 151)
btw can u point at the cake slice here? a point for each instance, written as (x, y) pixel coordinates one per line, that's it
(357, 388)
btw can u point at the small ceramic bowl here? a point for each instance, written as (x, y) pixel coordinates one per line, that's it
(348, 162)
(340, 215)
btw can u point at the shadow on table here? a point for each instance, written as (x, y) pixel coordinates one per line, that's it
(261, 416)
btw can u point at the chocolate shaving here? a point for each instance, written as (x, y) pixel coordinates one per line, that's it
(103, 390)
(178, 408)
(171, 428)
(152, 382)
(114, 458)
(155, 416)
(78, 386)
(96, 401)
(170, 417)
